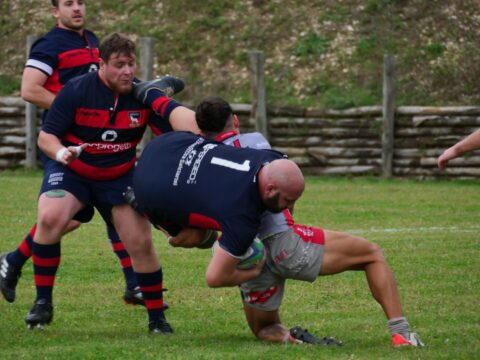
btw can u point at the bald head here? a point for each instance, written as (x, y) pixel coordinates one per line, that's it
(280, 183)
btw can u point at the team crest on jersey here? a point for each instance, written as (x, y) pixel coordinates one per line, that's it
(135, 117)
(109, 135)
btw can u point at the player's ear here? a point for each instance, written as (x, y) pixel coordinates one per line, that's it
(270, 189)
(101, 64)
(236, 122)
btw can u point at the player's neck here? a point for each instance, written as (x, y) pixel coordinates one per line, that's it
(78, 31)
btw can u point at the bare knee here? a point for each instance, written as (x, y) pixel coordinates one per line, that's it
(376, 252)
(52, 221)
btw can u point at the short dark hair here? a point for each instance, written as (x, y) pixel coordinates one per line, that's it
(212, 114)
(116, 43)
(55, 3)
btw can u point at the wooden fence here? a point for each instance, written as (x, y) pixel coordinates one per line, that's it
(349, 142)
(340, 142)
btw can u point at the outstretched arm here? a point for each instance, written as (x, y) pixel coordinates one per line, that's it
(222, 270)
(471, 142)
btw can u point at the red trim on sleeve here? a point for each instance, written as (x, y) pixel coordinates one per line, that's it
(53, 83)
(203, 222)
(160, 104)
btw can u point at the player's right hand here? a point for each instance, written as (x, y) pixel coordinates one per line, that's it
(68, 154)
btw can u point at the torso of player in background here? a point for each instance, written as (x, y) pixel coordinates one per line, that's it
(62, 55)
(271, 223)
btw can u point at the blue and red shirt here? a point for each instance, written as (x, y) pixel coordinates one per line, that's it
(87, 111)
(64, 54)
(184, 179)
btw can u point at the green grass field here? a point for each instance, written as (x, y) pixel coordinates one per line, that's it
(428, 230)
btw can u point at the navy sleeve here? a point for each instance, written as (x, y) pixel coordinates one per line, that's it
(158, 124)
(238, 234)
(43, 57)
(61, 115)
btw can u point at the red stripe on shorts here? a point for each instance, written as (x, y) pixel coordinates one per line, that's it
(310, 234)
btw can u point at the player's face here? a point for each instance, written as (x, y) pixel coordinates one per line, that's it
(118, 72)
(70, 14)
(277, 201)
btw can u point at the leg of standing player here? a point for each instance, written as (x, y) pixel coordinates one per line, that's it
(135, 232)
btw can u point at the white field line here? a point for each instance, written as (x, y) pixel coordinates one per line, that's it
(470, 229)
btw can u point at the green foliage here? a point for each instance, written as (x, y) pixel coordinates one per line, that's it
(367, 46)
(435, 265)
(374, 6)
(435, 49)
(9, 84)
(208, 40)
(310, 44)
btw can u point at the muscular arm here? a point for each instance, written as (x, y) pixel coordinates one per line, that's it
(50, 145)
(33, 90)
(222, 270)
(183, 119)
(471, 142)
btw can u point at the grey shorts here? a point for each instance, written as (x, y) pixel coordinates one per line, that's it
(294, 254)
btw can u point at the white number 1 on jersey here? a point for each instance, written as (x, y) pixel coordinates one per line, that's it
(230, 164)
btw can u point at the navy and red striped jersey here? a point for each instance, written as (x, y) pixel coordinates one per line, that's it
(87, 111)
(64, 54)
(191, 181)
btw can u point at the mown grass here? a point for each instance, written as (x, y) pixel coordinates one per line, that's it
(428, 231)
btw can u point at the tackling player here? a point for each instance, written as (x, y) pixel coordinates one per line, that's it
(301, 252)
(209, 185)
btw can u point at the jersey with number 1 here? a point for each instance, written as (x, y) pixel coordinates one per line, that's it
(202, 183)
(271, 223)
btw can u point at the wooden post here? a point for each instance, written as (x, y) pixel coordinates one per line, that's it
(30, 123)
(147, 50)
(259, 106)
(388, 112)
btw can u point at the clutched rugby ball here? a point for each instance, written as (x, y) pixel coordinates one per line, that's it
(253, 255)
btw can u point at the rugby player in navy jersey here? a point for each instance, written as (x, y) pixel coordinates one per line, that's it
(206, 184)
(301, 252)
(66, 51)
(91, 131)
